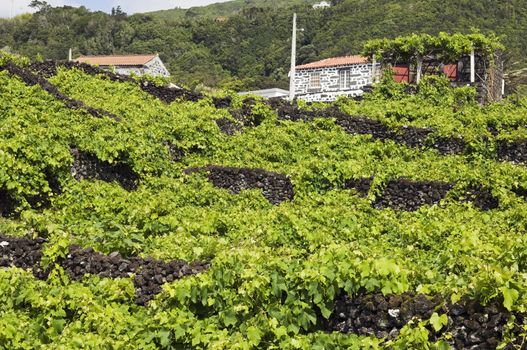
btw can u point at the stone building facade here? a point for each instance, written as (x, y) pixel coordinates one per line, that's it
(326, 80)
(126, 65)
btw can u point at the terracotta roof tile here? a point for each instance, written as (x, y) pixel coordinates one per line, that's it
(334, 62)
(129, 60)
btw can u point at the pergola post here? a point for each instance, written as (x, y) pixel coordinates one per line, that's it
(472, 67)
(419, 69)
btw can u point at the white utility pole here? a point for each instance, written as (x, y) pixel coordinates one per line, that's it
(472, 67)
(70, 58)
(292, 73)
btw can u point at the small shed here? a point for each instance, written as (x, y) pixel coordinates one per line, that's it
(330, 78)
(128, 64)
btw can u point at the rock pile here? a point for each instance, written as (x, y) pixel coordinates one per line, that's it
(88, 166)
(291, 112)
(520, 191)
(514, 151)
(379, 315)
(276, 188)
(408, 195)
(481, 197)
(242, 118)
(154, 273)
(472, 325)
(7, 203)
(361, 185)
(364, 126)
(176, 153)
(222, 102)
(411, 136)
(20, 252)
(10, 202)
(404, 194)
(149, 274)
(449, 145)
(169, 94)
(228, 126)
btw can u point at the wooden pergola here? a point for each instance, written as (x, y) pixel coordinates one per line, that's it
(476, 59)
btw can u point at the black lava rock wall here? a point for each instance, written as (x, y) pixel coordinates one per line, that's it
(276, 188)
(88, 166)
(472, 325)
(149, 274)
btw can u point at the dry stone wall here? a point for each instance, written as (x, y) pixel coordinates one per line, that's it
(148, 274)
(470, 325)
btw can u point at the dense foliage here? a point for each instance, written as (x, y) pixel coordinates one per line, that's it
(226, 9)
(368, 210)
(243, 46)
(448, 47)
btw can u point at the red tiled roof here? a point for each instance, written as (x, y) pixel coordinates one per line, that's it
(335, 62)
(129, 60)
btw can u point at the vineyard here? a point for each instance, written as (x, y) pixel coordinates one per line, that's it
(135, 216)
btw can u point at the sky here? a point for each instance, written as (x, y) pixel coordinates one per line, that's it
(16, 7)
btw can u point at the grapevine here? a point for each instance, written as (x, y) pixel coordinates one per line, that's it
(226, 222)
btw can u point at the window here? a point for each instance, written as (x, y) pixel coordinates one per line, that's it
(344, 79)
(314, 81)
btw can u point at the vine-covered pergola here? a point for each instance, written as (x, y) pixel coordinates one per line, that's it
(479, 51)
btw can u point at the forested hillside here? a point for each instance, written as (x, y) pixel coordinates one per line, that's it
(250, 49)
(226, 9)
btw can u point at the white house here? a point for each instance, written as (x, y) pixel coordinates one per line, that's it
(321, 5)
(333, 77)
(137, 64)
